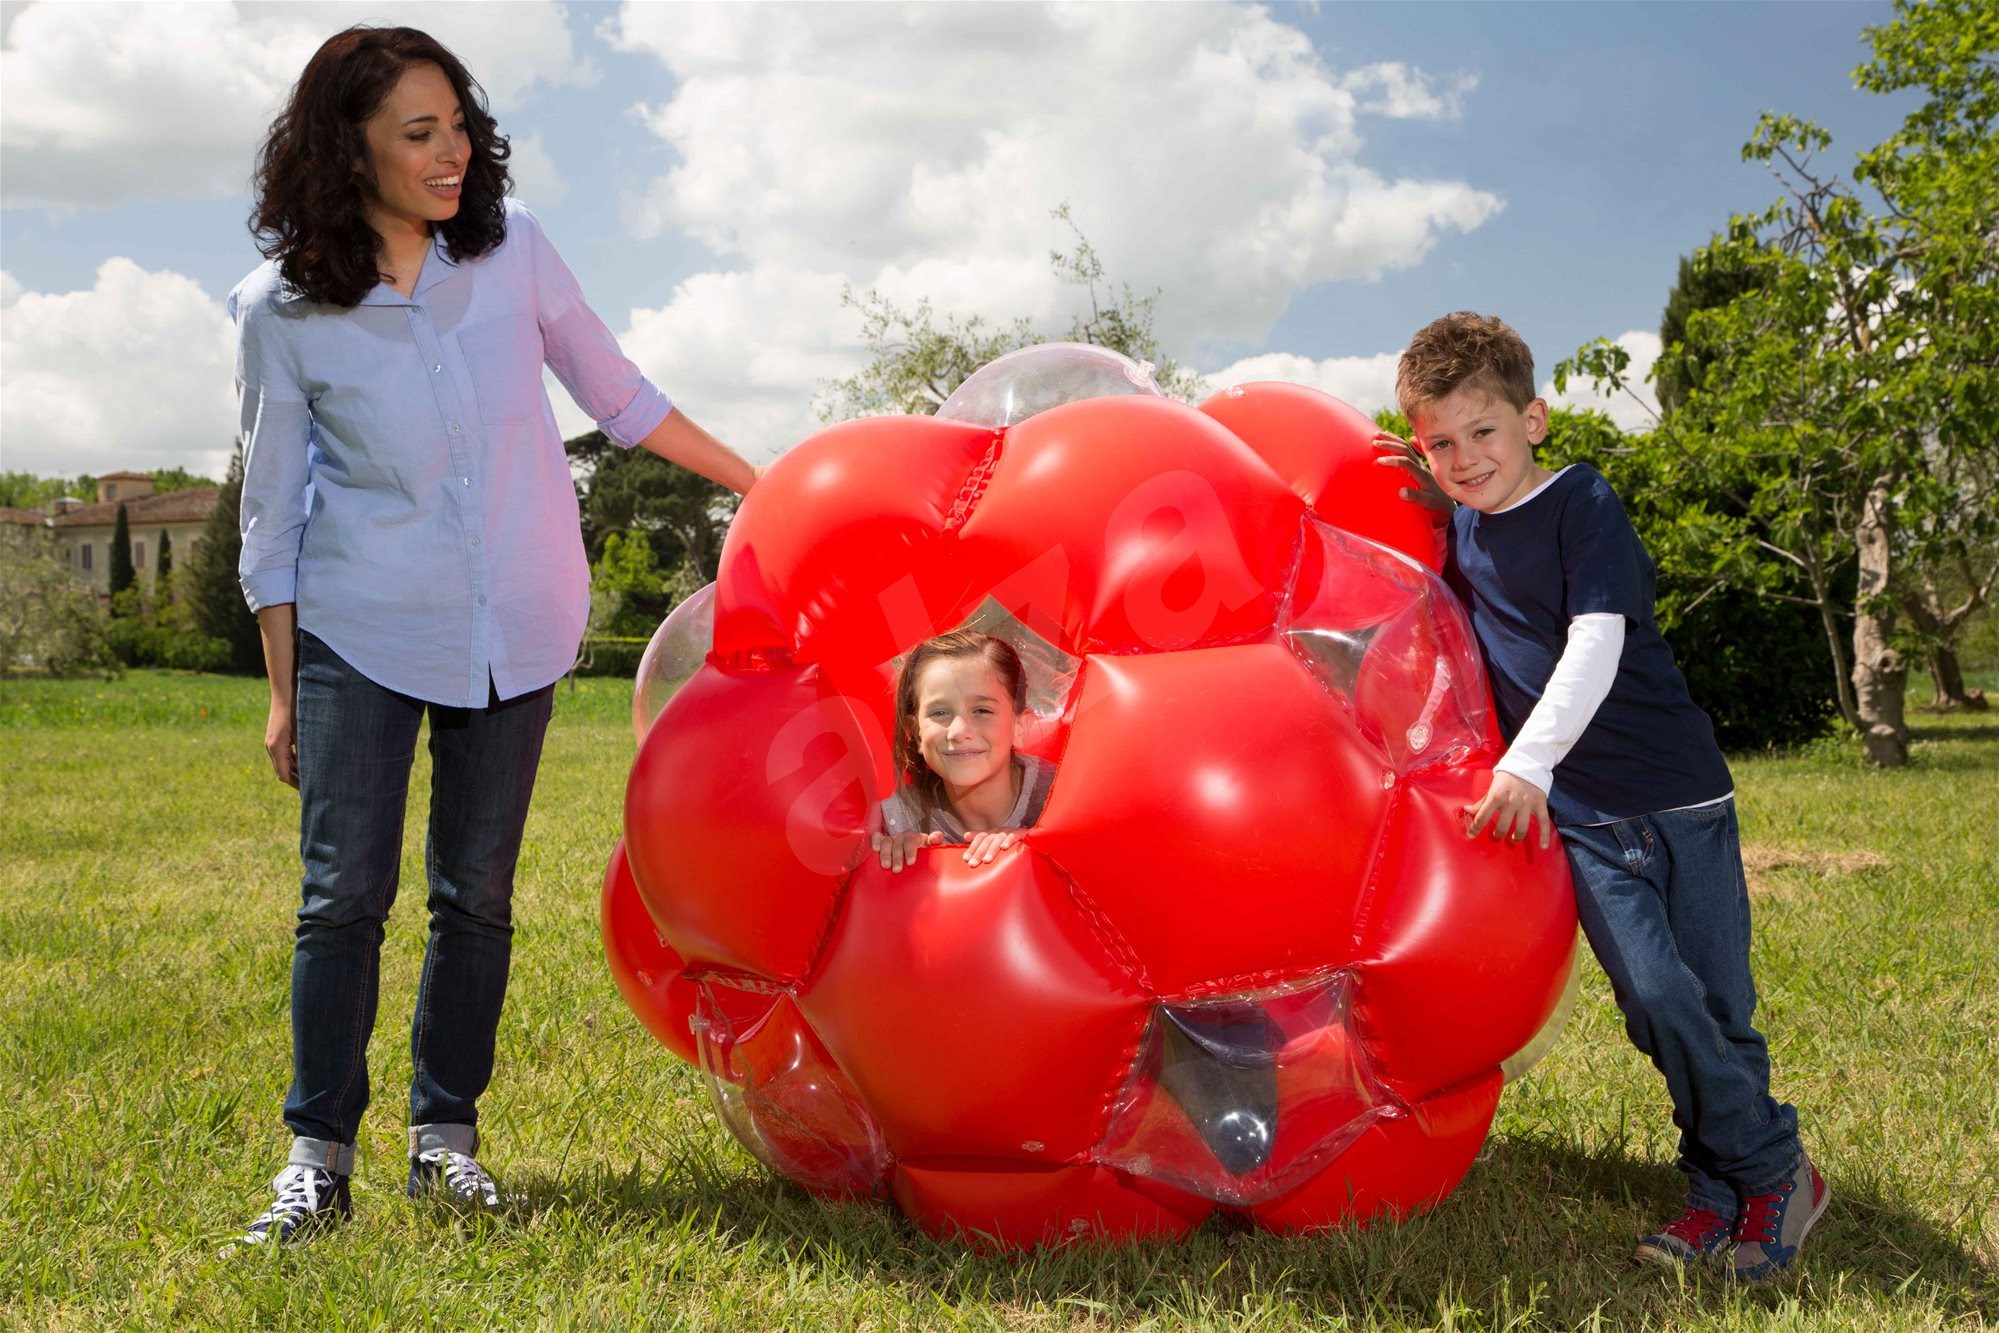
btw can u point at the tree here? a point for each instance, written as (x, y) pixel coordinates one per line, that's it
(167, 479)
(47, 619)
(164, 569)
(214, 594)
(123, 575)
(915, 364)
(1844, 395)
(25, 490)
(1698, 286)
(683, 515)
(627, 593)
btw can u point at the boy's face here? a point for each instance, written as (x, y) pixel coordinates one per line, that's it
(1481, 447)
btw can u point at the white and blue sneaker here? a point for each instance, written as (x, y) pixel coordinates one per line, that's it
(309, 1199)
(453, 1176)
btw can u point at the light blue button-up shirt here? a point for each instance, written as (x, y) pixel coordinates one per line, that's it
(403, 479)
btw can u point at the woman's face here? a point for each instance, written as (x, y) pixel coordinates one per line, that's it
(417, 152)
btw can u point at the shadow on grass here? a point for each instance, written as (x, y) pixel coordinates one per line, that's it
(1929, 727)
(1537, 1226)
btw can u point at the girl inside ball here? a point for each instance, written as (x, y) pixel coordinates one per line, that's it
(960, 702)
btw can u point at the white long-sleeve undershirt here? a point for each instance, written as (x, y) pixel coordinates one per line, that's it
(1580, 683)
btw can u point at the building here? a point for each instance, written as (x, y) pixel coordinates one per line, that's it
(80, 534)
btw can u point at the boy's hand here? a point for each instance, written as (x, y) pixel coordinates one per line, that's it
(1399, 453)
(1511, 805)
(899, 849)
(988, 843)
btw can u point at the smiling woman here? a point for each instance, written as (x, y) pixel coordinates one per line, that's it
(411, 548)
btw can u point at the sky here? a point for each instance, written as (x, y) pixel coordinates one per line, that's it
(1303, 185)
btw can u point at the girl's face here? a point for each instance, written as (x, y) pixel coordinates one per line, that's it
(417, 152)
(966, 724)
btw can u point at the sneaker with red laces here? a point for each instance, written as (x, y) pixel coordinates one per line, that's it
(1696, 1236)
(1771, 1228)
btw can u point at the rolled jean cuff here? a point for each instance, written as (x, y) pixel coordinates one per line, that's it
(462, 1139)
(1716, 1198)
(322, 1153)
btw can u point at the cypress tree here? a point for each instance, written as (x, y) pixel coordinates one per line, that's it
(213, 591)
(123, 575)
(166, 564)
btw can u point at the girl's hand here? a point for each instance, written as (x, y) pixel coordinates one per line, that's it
(899, 849)
(1512, 805)
(985, 845)
(1399, 453)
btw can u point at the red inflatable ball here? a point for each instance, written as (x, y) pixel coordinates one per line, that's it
(1246, 959)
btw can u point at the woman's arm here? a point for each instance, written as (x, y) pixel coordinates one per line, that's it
(278, 626)
(584, 355)
(678, 440)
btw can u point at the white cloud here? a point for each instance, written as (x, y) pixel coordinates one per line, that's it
(1205, 150)
(536, 178)
(137, 372)
(1401, 92)
(1365, 382)
(712, 347)
(1636, 410)
(117, 101)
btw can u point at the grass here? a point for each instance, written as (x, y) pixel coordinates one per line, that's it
(146, 888)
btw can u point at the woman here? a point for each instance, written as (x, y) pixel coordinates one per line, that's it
(411, 546)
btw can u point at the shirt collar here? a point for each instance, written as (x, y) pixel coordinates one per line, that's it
(437, 266)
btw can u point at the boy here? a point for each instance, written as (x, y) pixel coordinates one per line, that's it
(1605, 743)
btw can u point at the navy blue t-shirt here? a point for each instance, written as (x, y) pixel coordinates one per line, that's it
(1525, 574)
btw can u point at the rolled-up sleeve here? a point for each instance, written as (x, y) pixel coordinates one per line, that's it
(582, 351)
(276, 427)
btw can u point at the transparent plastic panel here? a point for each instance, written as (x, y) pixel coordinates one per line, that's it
(782, 1096)
(1538, 1046)
(1011, 388)
(1241, 1098)
(678, 648)
(1389, 642)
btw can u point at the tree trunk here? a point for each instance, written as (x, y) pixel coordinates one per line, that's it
(1947, 678)
(1842, 677)
(1880, 677)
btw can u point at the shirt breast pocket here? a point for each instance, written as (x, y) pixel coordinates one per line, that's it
(504, 357)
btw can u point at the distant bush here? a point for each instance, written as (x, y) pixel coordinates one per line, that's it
(607, 655)
(47, 619)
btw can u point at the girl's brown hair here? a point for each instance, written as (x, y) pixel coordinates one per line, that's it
(925, 787)
(311, 214)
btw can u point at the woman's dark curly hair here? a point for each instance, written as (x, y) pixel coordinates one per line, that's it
(311, 214)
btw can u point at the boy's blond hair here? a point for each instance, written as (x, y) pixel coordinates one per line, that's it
(1460, 349)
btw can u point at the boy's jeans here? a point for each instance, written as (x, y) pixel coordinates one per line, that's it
(1664, 904)
(356, 741)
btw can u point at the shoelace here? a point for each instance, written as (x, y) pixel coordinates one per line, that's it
(1758, 1223)
(1698, 1227)
(298, 1195)
(464, 1176)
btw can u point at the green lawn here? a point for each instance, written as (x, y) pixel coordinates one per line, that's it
(146, 890)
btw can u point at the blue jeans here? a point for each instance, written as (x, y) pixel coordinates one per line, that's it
(356, 741)
(1664, 904)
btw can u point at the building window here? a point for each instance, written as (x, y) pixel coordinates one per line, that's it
(111, 490)
(138, 555)
(86, 557)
